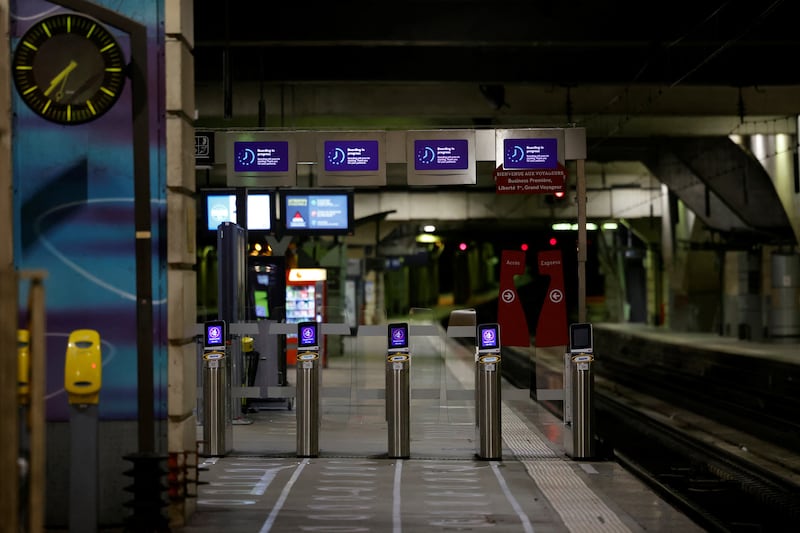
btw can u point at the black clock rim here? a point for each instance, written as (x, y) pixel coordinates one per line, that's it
(54, 112)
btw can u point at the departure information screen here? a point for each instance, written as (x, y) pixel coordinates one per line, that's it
(261, 156)
(530, 153)
(351, 156)
(441, 154)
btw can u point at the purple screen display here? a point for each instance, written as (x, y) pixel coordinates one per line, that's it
(488, 338)
(215, 334)
(530, 153)
(443, 154)
(398, 337)
(308, 336)
(261, 156)
(350, 156)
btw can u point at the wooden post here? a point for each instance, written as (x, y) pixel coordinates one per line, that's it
(38, 360)
(9, 415)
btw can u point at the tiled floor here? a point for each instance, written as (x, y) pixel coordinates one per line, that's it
(261, 485)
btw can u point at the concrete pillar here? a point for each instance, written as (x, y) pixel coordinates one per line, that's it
(181, 251)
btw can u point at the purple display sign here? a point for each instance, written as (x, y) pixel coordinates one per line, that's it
(350, 156)
(261, 156)
(443, 154)
(530, 153)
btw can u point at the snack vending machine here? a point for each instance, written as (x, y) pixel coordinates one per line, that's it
(305, 302)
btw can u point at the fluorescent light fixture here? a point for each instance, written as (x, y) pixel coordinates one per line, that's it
(573, 226)
(610, 225)
(429, 228)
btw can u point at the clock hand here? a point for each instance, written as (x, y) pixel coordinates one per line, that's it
(88, 83)
(60, 92)
(60, 76)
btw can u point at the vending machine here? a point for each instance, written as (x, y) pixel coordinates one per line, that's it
(305, 302)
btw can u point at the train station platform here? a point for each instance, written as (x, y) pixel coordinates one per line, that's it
(261, 485)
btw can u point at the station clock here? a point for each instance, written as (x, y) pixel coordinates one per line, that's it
(69, 69)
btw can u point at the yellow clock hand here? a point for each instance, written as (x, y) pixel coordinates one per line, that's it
(60, 76)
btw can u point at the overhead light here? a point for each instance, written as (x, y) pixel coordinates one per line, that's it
(427, 238)
(572, 226)
(428, 228)
(609, 225)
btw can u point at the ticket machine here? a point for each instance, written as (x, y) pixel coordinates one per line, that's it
(308, 383)
(82, 382)
(398, 396)
(487, 397)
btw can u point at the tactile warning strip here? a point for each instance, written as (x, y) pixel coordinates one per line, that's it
(522, 440)
(577, 505)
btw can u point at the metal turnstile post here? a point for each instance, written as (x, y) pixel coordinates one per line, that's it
(487, 408)
(398, 405)
(582, 407)
(217, 428)
(307, 398)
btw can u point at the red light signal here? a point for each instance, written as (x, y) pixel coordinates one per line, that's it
(553, 241)
(556, 198)
(524, 247)
(462, 246)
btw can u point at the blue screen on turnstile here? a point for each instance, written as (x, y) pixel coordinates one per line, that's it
(398, 336)
(307, 335)
(488, 337)
(214, 335)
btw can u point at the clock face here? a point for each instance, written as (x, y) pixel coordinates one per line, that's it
(69, 69)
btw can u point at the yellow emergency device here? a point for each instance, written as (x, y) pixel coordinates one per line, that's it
(23, 365)
(247, 344)
(83, 367)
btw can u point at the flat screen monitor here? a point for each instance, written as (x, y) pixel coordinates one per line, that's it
(316, 211)
(219, 206)
(307, 335)
(398, 336)
(488, 337)
(214, 334)
(260, 210)
(581, 338)
(261, 303)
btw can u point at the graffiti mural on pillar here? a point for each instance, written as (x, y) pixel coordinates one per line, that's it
(74, 219)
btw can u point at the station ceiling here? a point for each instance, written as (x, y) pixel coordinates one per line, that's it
(643, 78)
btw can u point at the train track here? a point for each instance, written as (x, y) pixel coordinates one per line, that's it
(716, 483)
(723, 477)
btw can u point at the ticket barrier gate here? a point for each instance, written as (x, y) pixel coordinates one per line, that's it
(487, 393)
(217, 423)
(398, 396)
(308, 385)
(82, 382)
(581, 395)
